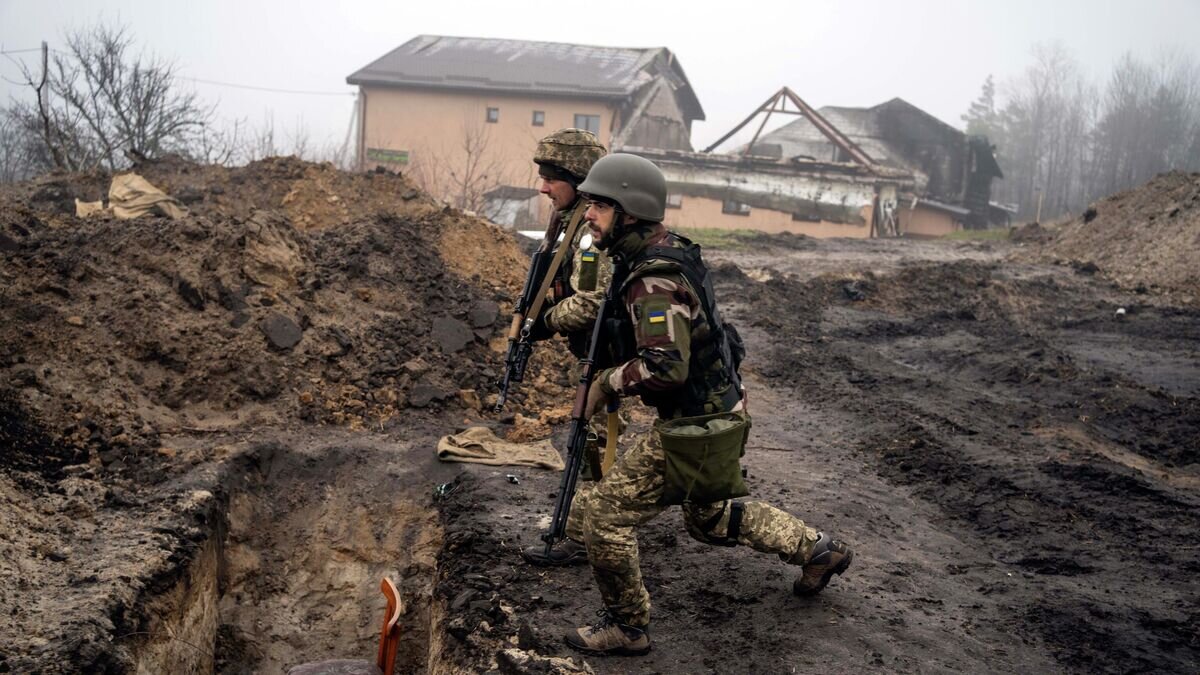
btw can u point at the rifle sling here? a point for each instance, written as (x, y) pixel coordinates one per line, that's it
(555, 263)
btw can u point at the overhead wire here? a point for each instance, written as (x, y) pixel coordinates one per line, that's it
(270, 89)
(218, 83)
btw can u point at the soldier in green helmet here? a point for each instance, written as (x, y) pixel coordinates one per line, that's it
(671, 349)
(564, 159)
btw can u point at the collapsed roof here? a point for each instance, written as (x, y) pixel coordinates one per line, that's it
(896, 134)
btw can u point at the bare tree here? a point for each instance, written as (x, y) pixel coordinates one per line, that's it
(16, 148)
(98, 104)
(1061, 143)
(223, 145)
(462, 175)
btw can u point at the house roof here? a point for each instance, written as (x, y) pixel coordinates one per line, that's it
(802, 139)
(511, 193)
(895, 134)
(522, 66)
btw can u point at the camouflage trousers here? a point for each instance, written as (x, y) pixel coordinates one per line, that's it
(628, 497)
(597, 439)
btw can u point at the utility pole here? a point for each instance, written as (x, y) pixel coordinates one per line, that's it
(44, 108)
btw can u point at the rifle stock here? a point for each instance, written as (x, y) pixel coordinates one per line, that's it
(519, 346)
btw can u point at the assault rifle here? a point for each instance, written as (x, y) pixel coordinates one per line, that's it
(519, 345)
(578, 436)
(542, 270)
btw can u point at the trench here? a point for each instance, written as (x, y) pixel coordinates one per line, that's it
(291, 569)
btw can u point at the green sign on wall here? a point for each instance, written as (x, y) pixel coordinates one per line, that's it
(387, 156)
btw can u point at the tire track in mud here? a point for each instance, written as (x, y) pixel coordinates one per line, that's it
(968, 395)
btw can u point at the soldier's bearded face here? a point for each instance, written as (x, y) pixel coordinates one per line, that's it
(560, 192)
(599, 217)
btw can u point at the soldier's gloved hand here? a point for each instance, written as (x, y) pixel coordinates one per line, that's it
(596, 399)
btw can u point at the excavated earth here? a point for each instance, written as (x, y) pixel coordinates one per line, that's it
(1010, 445)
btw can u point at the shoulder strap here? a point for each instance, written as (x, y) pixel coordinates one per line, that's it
(567, 243)
(688, 262)
(691, 265)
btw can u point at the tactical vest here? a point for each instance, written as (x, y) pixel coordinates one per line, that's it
(713, 384)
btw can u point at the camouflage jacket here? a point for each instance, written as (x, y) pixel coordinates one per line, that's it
(584, 277)
(668, 327)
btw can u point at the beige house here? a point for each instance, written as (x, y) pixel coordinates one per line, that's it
(461, 116)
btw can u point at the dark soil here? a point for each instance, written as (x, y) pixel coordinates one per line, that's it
(1011, 447)
(1019, 478)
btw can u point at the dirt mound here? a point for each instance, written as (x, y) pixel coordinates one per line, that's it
(1031, 233)
(1146, 238)
(137, 356)
(291, 290)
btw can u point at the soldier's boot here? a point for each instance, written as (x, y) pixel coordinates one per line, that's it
(566, 552)
(609, 637)
(829, 557)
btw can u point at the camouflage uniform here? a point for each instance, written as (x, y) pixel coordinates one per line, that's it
(669, 321)
(587, 272)
(582, 282)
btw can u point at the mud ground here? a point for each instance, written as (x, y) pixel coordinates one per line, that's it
(1014, 462)
(1009, 442)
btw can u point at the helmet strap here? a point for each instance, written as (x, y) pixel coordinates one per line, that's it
(618, 225)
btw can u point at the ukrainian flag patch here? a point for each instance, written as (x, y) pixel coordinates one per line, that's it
(588, 256)
(657, 316)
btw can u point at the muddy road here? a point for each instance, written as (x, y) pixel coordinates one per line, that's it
(1015, 462)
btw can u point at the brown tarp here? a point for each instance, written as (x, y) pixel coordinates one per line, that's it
(479, 445)
(131, 196)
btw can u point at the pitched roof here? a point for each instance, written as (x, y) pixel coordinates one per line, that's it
(547, 68)
(801, 138)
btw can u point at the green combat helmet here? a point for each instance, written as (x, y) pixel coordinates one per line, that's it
(574, 151)
(631, 181)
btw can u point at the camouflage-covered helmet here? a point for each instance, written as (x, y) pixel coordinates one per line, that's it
(572, 150)
(631, 181)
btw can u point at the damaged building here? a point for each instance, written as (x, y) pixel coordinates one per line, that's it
(890, 170)
(461, 116)
(951, 172)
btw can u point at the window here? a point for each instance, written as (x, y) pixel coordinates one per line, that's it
(588, 123)
(539, 118)
(493, 115)
(674, 200)
(735, 208)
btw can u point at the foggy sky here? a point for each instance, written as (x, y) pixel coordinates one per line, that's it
(933, 53)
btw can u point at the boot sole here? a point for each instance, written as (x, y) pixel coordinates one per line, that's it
(620, 651)
(841, 567)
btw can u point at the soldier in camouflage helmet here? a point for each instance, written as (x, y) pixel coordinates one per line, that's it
(564, 159)
(667, 325)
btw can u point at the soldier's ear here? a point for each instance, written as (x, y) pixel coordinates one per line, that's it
(627, 219)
